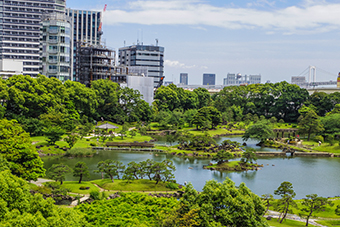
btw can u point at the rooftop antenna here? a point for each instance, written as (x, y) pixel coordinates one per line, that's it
(156, 42)
(142, 37)
(124, 43)
(138, 37)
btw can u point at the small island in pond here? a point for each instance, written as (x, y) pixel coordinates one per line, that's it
(233, 166)
(246, 163)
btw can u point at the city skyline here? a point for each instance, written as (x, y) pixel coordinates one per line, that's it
(277, 39)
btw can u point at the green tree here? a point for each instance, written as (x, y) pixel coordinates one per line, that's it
(163, 171)
(57, 172)
(223, 204)
(260, 130)
(16, 147)
(189, 115)
(314, 203)
(84, 99)
(71, 139)
(310, 123)
(166, 99)
(331, 124)
(222, 156)
(203, 96)
(111, 168)
(81, 170)
(53, 134)
(207, 114)
(133, 169)
(249, 155)
(146, 168)
(123, 131)
(267, 199)
(285, 190)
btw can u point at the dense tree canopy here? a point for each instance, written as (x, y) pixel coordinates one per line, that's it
(16, 147)
(223, 204)
(20, 208)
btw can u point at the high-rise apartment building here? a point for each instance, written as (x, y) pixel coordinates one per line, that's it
(55, 43)
(148, 56)
(20, 23)
(209, 79)
(85, 28)
(183, 79)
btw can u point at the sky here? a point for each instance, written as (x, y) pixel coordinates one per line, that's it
(276, 39)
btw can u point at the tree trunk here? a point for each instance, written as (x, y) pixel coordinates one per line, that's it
(81, 177)
(61, 182)
(112, 179)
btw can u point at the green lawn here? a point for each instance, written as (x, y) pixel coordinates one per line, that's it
(329, 222)
(135, 185)
(286, 223)
(325, 147)
(218, 131)
(74, 186)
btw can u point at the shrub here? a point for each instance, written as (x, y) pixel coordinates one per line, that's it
(172, 186)
(95, 194)
(84, 188)
(87, 139)
(281, 121)
(93, 144)
(104, 195)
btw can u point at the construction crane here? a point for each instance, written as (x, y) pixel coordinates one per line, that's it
(100, 31)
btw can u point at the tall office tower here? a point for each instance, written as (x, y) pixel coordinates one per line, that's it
(55, 42)
(85, 25)
(144, 55)
(183, 78)
(209, 79)
(20, 23)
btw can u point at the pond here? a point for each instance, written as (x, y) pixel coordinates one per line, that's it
(308, 175)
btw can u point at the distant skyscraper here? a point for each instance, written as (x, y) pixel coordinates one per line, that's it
(237, 79)
(209, 79)
(183, 78)
(85, 29)
(148, 56)
(21, 28)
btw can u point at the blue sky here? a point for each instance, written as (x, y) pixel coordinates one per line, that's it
(277, 39)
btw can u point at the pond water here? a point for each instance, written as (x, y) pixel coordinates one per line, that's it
(308, 175)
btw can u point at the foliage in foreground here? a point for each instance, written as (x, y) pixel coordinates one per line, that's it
(131, 209)
(16, 147)
(19, 208)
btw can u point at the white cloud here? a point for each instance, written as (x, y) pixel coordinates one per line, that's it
(313, 15)
(177, 64)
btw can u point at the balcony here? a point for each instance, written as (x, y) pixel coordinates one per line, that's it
(52, 51)
(53, 41)
(52, 71)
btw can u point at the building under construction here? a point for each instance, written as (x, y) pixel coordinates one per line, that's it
(94, 62)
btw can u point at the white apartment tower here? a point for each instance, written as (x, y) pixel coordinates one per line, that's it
(20, 24)
(148, 56)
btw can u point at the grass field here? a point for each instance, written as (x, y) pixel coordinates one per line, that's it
(286, 223)
(74, 186)
(135, 185)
